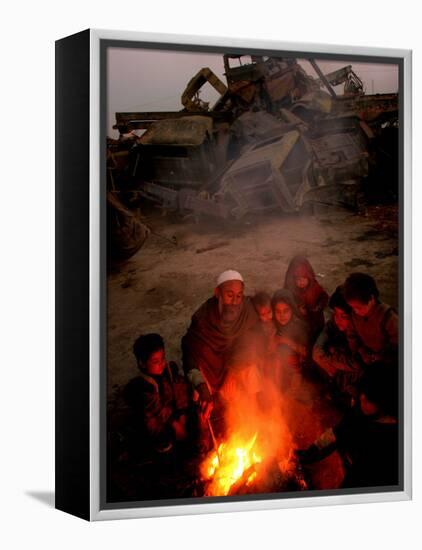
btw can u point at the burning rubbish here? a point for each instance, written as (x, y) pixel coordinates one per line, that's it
(255, 456)
(234, 461)
(238, 468)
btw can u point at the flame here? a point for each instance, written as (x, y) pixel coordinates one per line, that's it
(256, 436)
(234, 458)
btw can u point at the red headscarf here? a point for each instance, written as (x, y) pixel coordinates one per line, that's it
(298, 267)
(313, 296)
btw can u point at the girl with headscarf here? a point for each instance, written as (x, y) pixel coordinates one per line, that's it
(310, 298)
(292, 337)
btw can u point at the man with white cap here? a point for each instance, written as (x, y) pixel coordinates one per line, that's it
(219, 329)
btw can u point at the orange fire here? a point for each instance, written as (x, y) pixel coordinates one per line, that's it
(256, 437)
(234, 461)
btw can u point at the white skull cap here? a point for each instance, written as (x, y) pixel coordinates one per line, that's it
(229, 275)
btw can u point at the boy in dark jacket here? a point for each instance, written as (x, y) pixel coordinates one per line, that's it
(333, 350)
(367, 437)
(375, 323)
(158, 398)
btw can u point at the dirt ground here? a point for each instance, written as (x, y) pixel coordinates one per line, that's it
(160, 287)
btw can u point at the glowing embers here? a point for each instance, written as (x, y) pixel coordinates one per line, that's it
(232, 467)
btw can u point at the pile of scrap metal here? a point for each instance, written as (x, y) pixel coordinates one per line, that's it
(275, 139)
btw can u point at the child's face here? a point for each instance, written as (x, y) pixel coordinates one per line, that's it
(301, 282)
(361, 308)
(282, 313)
(341, 319)
(156, 362)
(265, 313)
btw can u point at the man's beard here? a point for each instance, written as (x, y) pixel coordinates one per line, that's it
(229, 314)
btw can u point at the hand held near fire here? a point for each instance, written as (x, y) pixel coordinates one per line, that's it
(206, 403)
(179, 428)
(319, 449)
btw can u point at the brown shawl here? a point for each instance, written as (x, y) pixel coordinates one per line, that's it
(208, 345)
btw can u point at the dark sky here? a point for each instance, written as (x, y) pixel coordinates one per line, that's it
(153, 80)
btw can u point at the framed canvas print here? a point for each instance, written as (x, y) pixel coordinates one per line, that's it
(233, 280)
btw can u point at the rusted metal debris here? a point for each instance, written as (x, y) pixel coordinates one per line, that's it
(127, 233)
(276, 138)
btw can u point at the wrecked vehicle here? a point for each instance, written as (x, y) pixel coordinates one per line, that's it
(275, 139)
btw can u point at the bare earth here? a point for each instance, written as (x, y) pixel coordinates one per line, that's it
(160, 287)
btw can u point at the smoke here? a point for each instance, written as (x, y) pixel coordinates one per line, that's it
(265, 395)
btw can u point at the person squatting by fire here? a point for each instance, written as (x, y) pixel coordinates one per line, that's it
(271, 396)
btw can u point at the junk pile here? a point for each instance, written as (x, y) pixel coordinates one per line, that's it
(275, 139)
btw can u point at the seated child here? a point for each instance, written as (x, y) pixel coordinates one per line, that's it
(292, 337)
(333, 350)
(262, 304)
(367, 436)
(375, 323)
(290, 329)
(310, 297)
(158, 398)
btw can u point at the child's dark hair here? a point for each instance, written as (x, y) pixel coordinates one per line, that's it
(261, 299)
(147, 344)
(285, 296)
(360, 287)
(337, 301)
